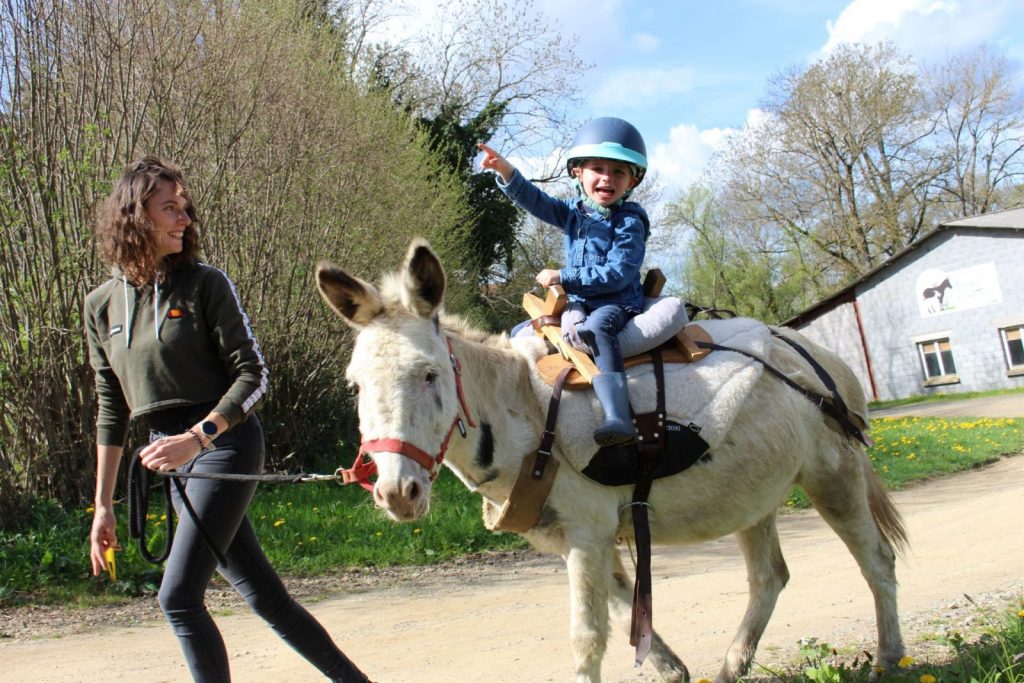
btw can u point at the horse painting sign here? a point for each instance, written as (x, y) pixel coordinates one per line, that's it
(939, 291)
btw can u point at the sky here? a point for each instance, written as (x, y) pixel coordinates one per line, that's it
(687, 72)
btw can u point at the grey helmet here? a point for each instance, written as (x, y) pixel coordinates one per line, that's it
(609, 138)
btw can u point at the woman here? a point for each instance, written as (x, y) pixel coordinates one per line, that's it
(170, 342)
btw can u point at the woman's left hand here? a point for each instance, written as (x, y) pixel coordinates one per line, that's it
(169, 452)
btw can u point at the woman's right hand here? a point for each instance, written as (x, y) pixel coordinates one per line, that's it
(103, 536)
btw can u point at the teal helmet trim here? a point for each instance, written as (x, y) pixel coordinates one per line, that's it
(607, 150)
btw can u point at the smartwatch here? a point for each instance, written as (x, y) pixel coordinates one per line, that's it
(209, 428)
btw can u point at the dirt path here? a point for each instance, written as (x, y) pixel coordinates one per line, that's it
(507, 622)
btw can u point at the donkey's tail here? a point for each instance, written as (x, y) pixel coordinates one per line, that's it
(884, 511)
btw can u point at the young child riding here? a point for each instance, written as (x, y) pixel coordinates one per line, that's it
(605, 243)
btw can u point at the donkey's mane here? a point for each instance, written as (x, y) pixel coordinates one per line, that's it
(463, 329)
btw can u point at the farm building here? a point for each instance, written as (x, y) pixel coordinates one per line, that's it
(944, 315)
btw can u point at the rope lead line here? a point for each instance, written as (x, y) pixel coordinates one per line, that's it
(139, 485)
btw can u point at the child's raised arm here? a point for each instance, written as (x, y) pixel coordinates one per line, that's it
(495, 162)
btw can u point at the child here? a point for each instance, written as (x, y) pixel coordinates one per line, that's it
(605, 243)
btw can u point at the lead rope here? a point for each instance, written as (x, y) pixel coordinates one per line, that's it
(139, 485)
(138, 510)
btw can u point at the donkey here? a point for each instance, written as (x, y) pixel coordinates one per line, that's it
(418, 373)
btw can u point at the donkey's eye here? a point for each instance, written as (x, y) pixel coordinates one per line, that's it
(431, 377)
(354, 386)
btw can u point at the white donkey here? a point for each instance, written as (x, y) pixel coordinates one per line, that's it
(405, 366)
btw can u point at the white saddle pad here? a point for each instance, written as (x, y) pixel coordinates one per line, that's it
(706, 394)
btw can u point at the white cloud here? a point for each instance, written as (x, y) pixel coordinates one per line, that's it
(640, 88)
(681, 160)
(646, 42)
(923, 28)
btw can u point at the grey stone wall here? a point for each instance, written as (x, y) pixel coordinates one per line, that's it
(890, 308)
(979, 262)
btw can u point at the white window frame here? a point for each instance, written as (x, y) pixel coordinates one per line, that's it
(935, 344)
(1006, 337)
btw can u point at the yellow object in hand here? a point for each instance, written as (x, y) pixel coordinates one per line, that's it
(108, 555)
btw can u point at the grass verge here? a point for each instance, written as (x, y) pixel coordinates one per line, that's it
(313, 528)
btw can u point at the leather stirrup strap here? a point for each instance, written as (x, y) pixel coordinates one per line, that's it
(641, 630)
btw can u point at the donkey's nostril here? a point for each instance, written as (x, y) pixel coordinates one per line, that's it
(412, 491)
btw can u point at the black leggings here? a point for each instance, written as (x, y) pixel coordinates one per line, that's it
(221, 507)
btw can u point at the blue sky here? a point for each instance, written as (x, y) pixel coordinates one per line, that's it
(686, 72)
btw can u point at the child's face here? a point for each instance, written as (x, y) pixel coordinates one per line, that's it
(605, 180)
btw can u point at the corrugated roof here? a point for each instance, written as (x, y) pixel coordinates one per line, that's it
(1008, 219)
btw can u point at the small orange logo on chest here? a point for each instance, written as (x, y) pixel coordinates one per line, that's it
(175, 313)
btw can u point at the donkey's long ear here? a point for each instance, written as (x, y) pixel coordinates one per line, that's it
(423, 279)
(355, 300)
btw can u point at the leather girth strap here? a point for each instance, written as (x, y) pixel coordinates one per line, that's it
(650, 446)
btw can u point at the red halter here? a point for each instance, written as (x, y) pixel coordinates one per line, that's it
(362, 469)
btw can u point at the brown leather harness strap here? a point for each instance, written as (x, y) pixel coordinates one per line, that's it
(650, 446)
(521, 511)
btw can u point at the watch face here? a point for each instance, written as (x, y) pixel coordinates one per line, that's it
(209, 427)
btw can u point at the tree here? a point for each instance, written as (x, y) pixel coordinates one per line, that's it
(730, 267)
(289, 164)
(980, 129)
(856, 156)
(482, 72)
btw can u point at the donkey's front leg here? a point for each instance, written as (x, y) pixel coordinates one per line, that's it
(589, 565)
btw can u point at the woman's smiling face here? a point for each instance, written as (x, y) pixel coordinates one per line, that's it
(166, 209)
(605, 180)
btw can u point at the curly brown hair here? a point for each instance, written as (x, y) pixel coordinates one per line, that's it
(125, 232)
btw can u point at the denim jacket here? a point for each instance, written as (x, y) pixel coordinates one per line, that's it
(602, 255)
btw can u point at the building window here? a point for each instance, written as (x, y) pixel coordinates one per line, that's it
(1013, 346)
(937, 361)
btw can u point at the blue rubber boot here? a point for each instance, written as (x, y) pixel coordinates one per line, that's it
(617, 428)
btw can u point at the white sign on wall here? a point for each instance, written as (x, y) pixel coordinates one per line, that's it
(938, 291)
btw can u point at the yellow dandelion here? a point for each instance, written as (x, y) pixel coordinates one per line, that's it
(379, 534)
(90, 509)
(927, 678)
(912, 456)
(703, 680)
(905, 662)
(312, 539)
(1021, 614)
(417, 531)
(163, 518)
(279, 522)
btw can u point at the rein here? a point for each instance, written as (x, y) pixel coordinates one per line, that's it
(362, 469)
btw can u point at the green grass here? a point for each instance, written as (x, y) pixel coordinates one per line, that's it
(913, 449)
(314, 528)
(993, 654)
(306, 529)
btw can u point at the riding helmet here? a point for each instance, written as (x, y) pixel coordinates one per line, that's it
(609, 138)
